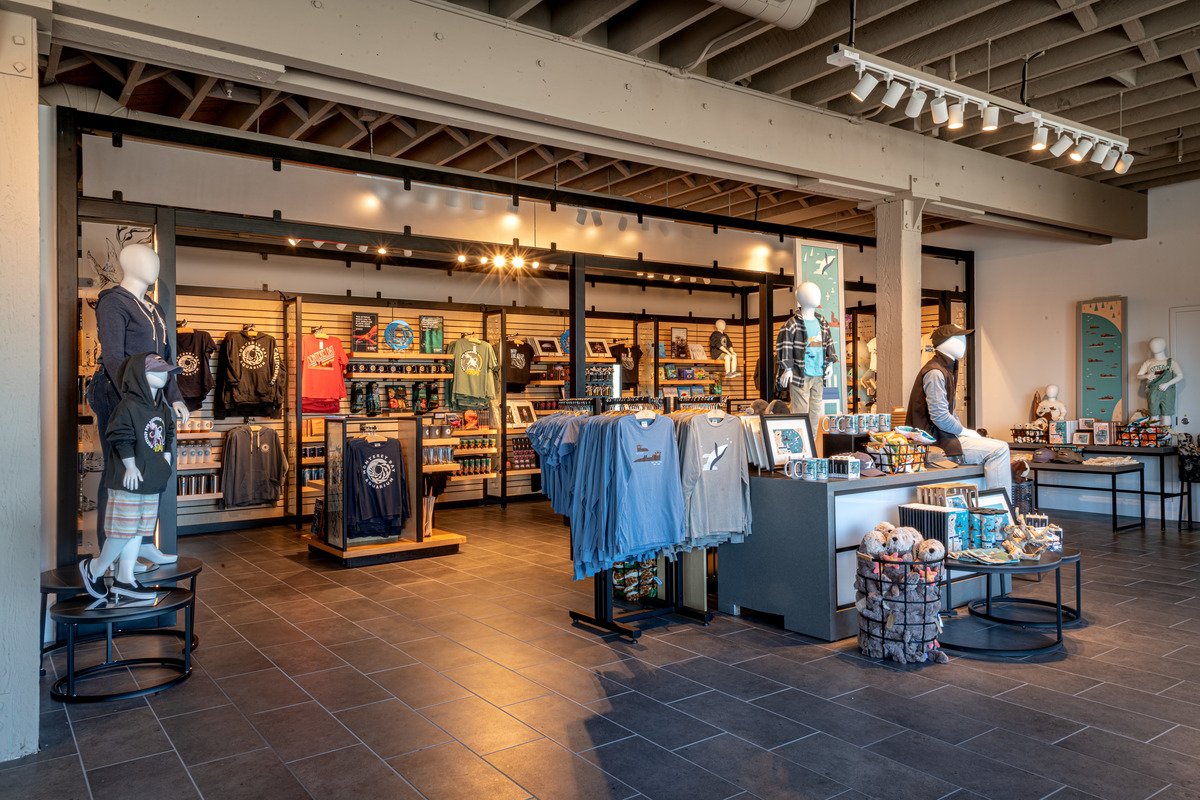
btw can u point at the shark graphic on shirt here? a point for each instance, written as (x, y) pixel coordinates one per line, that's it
(711, 459)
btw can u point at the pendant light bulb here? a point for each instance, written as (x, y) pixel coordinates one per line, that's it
(536, 264)
(1041, 137)
(991, 118)
(1100, 152)
(866, 85)
(1110, 160)
(499, 261)
(1123, 164)
(895, 90)
(938, 110)
(382, 251)
(956, 117)
(518, 262)
(462, 259)
(1060, 147)
(483, 259)
(293, 242)
(915, 103)
(1081, 150)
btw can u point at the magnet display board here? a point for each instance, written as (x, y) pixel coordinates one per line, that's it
(822, 264)
(1101, 371)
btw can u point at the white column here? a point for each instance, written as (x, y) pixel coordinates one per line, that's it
(898, 298)
(20, 363)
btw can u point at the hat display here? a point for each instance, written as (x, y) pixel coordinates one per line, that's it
(867, 467)
(1043, 454)
(949, 332)
(156, 364)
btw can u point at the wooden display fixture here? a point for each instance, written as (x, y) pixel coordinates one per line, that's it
(514, 472)
(480, 476)
(309, 462)
(478, 451)
(199, 435)
(440, 543)
(198, 467)
(690, 361)
(438, 442)
(192, 498)
(318, 484)
(440, 468)
(692, 382)
(474, 431)
(546, 383)
(399, 356)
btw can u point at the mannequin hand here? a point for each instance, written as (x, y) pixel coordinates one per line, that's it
(181, 411)
(132, 479)
(785, 379)
(967, 433)
(167, 456)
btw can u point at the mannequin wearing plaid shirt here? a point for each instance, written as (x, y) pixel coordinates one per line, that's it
(803, 359)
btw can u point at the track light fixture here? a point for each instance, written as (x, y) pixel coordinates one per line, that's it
(536, 264)
(462, 259)
(916, 102)
(499, 261)
(382, 251)
(581, 217)
(518, 262)
(1062, 145)
(340, 245)
(318, 245)
(483, 259)
(939, 111)
(362, 248)
(951, 100)
(1123, 163)
(293, 242)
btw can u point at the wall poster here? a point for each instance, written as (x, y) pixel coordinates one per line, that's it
(822, 264)
(1101, 374)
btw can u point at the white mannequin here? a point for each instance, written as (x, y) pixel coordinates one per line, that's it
(1051, 407)
(808, 300)
(727, 354)
(125, 552)
(139, 268)
(955, 348)
(1161, 396)
(805, 392)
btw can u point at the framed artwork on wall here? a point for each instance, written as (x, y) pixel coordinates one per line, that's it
(1101, 371)
(786, 437)
(547, 346)
(597, 348)
(432, 330)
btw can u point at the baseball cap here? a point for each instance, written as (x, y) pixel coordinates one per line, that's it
(867, 466)
(1043, 454)
(936, 457)
(949, 332)
(156, 364)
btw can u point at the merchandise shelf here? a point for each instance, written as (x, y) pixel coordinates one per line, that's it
(546, 383)
(203, 465)
(482, 476)
(478, 451)
(400, 356)
(317, 484)
(690, 361)
(311, 490)
(394, 377)
(192, 498)
(474, 432)
(692, 382)
(552, 359)
(199, 435)
(439, 468)
(307, 462)
(437, 442)
(514, 472)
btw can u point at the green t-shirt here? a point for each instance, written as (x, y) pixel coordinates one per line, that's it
(474, 363)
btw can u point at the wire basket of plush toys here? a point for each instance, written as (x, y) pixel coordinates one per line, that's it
(899, 594)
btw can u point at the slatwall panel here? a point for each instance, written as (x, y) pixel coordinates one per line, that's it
(698, 332)
(218, 315)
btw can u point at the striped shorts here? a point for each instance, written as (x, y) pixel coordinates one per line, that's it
(128, 514)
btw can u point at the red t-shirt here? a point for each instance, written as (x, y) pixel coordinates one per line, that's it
(324, 366)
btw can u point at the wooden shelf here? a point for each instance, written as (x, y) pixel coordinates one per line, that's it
(193, 498)
(405, 356)
(474, 432)
(690, 361)
(600, 360)
(545, 412)
(311, 490)
(197, 467)
(437, 442)
(317, 484)
(312, 461)
(439, 468)
(551, 359)
(478, 451)
(395, 377)
(404, 549)
(692, 382)
(547, 383)
(483, 476)
(199, 435)
(514, 472)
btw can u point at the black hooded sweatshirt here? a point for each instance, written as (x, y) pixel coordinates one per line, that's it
(142, 427)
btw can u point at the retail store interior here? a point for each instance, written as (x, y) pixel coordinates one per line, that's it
(688, 399)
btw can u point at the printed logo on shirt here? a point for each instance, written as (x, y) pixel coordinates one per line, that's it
(379, 471)
(264, 447)
(649, 458)
(517, 359)
(189, 363)
(711, 459)
(470, 362)
(155, 434)
(626, 362)
(815, 341)
(322, 358)
(253, 356)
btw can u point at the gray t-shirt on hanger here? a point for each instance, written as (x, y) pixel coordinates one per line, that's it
(716, 477)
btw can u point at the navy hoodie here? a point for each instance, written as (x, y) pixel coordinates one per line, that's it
(142, 426)
(125, 326)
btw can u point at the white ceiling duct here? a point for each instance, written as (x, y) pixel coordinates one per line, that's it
(786, 14)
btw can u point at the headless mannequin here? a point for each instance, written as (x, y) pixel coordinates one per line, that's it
(1160, 374)
(727, 354)
(139, 268)
(955, 348)
(1051, 408)
(125, 552)
(806, 399)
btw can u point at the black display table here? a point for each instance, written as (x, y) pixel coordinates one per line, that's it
(86, 610)
(66, 582)
(1046, 562)
(1089, 469)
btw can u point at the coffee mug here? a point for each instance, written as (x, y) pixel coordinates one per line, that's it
(206, 424)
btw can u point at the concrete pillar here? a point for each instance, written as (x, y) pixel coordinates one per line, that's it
(20, 401)
(898, 296)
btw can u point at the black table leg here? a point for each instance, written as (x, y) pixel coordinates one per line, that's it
(71, 660)
(42, 632)
(1058, 601)
(1162, 492)
(1079, 589)
(188, 615)
(1113, 476)
(1142, 498)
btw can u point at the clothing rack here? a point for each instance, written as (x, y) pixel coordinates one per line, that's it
(710, 401)
(602, 615)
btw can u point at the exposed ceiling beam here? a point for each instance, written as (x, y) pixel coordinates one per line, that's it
(52, 62)
(1137, 34)
(1084, 14)
(242, 117)
(710, 37)
(511, 9)
(203, 86)
(107, 65)
(647, 25)
(574, 18)
(132, 75)
(1191, 60)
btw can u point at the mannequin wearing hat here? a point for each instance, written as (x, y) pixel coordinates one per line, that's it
(128, 322)
(931, 407)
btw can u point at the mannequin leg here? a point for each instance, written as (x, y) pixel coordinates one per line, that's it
(816, 397)
(798, 401)
(994, 456)
(102, 398)
(127, 558)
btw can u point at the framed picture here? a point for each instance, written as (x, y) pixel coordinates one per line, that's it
(365, 332)
(432, 333)
(547, 346)
(1101, 375)
(510, 413)
(754, 442)
(597, 348)
(679, 342)
(1086, 423)
(1082, 438)
(1102, 434)
(998, 498)
(787, 436)
(525, 413)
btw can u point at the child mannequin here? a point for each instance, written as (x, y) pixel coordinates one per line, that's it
(1160, 374)
(140, 435)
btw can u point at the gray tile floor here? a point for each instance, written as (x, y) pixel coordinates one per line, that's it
(462, 677)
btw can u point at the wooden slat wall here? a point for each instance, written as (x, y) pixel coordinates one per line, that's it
(218, 315)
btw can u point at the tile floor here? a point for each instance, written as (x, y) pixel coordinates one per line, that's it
(462, 677)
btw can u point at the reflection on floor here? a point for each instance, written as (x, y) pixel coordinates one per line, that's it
(462, 677)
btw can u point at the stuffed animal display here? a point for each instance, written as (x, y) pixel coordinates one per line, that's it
(898, 595)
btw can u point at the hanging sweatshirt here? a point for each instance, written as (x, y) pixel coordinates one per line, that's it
(474, 363)
(195, 351)
(253, 466)
(126, 326)
(324, 363)
(376, 488)
(142, 427)
(251, 377)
